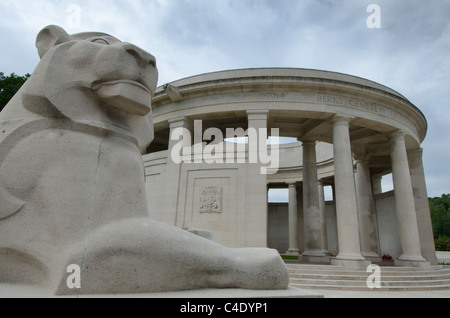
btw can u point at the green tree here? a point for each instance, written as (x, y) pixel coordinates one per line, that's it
(440, 218)
(9, 85)
(442, 243)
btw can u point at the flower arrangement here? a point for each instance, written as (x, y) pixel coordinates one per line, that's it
(386, 257)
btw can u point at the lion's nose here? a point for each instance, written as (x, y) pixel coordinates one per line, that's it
(142, 57)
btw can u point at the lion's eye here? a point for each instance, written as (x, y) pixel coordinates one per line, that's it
(100, 41)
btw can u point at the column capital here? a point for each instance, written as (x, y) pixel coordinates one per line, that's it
(291, 184)
(181, 121)
(308, 140)
(341, 119)
(260, 114)
(361, 158)
(360, 152)
(396, 135)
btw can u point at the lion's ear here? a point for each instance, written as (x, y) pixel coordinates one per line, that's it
(49, 37)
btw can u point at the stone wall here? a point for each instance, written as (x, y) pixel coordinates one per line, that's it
(278, 227)
(229, 200)
(387, 224)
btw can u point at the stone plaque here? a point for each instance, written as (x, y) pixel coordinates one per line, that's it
(211, 200)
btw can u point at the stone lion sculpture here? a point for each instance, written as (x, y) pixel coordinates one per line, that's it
(72, 182)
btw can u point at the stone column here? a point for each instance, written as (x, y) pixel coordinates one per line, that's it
(422, 206)
(346, 205)
(323, 220)
(366, 210)
(333, 229)
(293, 220)
(376, 184)
(311, 206)
(252, 225)
(301, 225)
(183, 126)
(404, 203)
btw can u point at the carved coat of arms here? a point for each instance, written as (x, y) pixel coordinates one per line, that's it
(211, 200)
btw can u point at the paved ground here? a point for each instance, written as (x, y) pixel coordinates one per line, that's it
(14, 291)
(380, 294)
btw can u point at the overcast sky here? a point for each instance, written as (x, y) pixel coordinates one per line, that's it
(409, 53)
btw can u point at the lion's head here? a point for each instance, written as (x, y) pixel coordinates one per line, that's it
(92, 77)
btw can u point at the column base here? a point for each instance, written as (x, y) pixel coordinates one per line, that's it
(353, 262)
(315, 257)
(293, 252)
(412, 262)
(374, 258)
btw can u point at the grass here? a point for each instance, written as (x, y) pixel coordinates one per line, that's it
(289, 257)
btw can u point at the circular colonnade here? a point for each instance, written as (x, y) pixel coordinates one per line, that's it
(350, 132)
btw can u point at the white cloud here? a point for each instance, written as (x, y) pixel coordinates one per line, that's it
(410, 53)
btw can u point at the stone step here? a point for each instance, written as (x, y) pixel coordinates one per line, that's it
(308, 276)
(365, 288)
(343, 282)
(400, 277)
(384, 270)
(422, 275)
(363, 275)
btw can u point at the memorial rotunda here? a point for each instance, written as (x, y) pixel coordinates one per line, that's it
(349, 132)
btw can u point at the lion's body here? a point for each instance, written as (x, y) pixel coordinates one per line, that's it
(72, 178)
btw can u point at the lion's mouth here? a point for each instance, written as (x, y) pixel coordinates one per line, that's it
(130, 96)
(131, 82)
